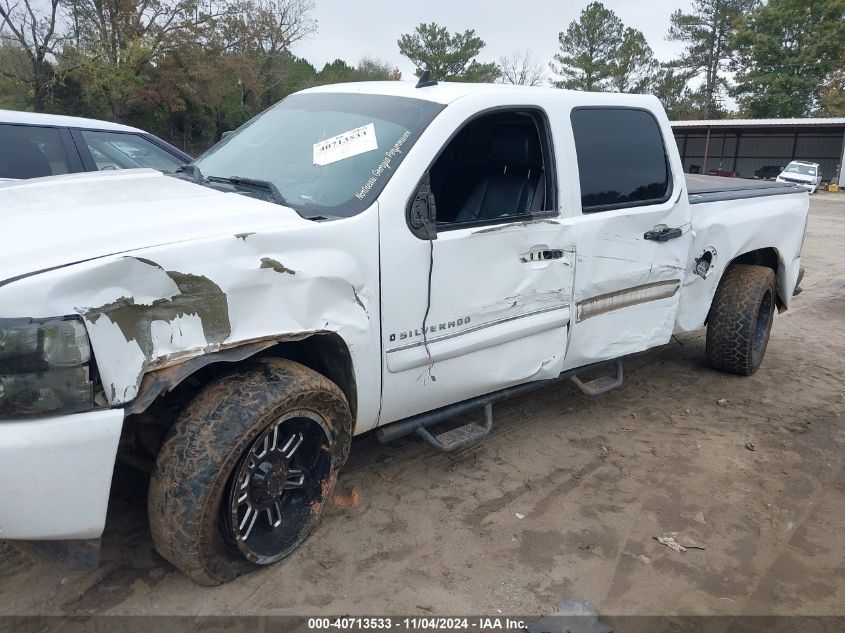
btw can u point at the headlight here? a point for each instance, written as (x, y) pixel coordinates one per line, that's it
(44, 367)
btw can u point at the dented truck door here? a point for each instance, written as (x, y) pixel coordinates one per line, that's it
(633, 233)
(486, 304)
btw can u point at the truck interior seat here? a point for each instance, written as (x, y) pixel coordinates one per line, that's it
(515, 164)
(493, 167)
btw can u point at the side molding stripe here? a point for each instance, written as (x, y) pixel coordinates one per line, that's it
(475, 328)
(600, 304)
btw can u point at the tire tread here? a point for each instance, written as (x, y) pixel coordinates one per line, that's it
(206, 440)
(733, 316)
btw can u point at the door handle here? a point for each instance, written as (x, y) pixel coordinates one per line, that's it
(541, 255)
(663, 234)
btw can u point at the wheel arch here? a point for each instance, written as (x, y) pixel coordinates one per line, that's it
(324, 352)
(768, 257)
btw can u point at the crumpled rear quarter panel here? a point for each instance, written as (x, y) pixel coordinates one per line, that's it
(736, 227)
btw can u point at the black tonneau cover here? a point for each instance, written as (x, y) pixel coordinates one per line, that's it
(715, 188)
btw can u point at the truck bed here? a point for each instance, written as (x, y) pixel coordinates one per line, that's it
(716, 188)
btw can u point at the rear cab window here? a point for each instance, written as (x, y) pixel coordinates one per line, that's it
(622, 159)
(29, 151)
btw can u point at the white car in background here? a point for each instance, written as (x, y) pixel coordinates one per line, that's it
(36, 145)
(802, 173)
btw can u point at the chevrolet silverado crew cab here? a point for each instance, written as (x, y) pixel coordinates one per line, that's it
(372, 256)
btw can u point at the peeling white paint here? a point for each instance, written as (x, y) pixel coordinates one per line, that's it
(121, 362)
(182, 333)
(200, 249)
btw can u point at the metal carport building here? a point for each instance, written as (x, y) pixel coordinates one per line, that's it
(746, 145)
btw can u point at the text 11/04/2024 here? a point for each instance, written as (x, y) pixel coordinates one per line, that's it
(432, 623)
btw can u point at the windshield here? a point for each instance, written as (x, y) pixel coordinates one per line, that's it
(327, 154)
(797, 168)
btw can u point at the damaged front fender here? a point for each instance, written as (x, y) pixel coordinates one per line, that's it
(164, 306)
(190, 312)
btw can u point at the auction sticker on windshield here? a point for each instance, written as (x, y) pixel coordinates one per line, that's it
(345, 145)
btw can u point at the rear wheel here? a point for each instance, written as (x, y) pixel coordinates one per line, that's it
(740, 319)
(243, 476)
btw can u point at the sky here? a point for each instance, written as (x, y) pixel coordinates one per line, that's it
(351, 30)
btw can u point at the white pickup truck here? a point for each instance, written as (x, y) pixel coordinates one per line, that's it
(367, 256)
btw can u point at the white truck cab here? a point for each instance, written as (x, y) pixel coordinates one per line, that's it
(803, 174)
(363, 257)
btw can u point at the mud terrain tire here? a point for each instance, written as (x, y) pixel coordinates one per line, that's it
(740, 319)
(195, 470)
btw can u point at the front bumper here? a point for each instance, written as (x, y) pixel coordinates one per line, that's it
(55, 475)
(808, 186)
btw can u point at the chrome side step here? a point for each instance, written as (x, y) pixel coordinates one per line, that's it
(460, 436)
(603, 384)
(467, 434)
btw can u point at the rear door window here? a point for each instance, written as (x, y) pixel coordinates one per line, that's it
(622, 160)
(121, 150)
(28, 151)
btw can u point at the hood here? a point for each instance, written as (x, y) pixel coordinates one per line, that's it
(796, 177)
(60, 220)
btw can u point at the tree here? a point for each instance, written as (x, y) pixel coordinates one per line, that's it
(670, 86)
(789, 50)
(597, 52)
(120, 42)
(521, 69)
(588, 49)
(186, 70)
(368, 69)
(265, 27)
(448, 56)
(708, 31)
(480, 73)
(115, 41)
(832, 94)
(31, 29)
(635, 67)
(13, 93)
(681, 103)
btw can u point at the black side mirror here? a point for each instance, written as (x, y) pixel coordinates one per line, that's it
(422, 212)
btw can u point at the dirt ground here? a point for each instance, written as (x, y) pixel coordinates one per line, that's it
(563, 501)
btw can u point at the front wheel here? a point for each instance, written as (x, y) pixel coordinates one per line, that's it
(740, 319)
(244, 473)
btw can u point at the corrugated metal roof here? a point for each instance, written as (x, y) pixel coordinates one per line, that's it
(760, 122)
